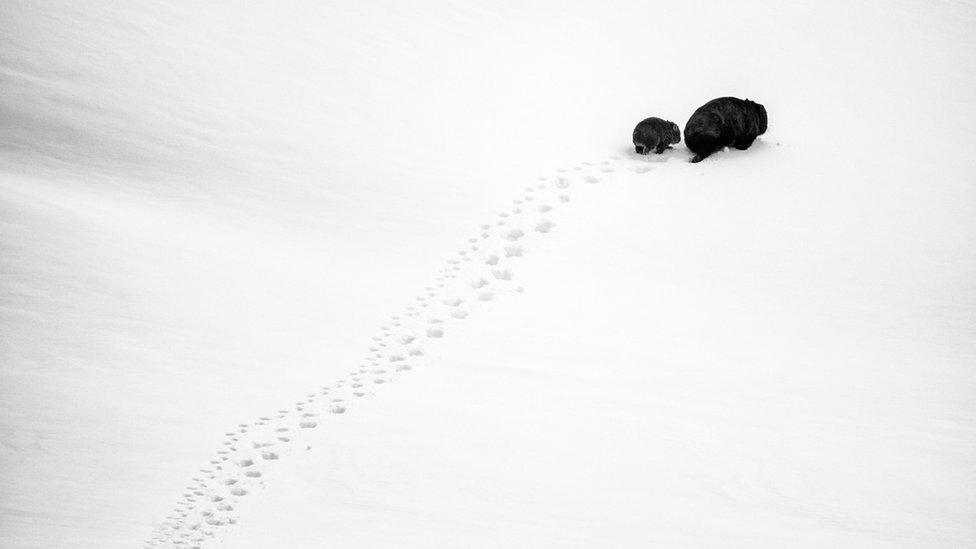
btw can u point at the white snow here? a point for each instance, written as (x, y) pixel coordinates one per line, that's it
(389, 274)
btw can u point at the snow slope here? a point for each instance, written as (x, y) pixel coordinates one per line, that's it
(210, 215)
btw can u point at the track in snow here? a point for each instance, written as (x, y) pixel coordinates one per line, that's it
(479, 273)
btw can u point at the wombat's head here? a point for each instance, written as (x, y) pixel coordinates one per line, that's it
(642, 140)
(760, 116)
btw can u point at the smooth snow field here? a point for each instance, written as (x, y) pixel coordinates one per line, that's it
(389, 274)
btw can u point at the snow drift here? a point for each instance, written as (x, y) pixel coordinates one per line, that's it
(210, 215)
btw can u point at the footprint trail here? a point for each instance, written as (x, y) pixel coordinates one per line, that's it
(483, 271)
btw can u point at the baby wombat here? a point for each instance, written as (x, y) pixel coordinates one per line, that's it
(654, 134)
(724, 122)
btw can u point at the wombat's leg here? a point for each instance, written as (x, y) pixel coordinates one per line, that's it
(661, 147)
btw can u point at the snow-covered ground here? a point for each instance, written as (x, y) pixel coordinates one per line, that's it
(388, 274)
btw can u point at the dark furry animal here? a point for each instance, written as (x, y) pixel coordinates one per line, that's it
(724, 122)
(654, 134)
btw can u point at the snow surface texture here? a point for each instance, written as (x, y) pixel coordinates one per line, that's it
(389, 275)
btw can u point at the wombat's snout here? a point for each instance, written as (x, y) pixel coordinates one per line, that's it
(639, 149)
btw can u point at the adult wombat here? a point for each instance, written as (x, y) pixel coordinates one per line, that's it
(724, 122)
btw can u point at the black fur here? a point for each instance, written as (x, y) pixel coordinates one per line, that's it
(724, 122)
(654, 134)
